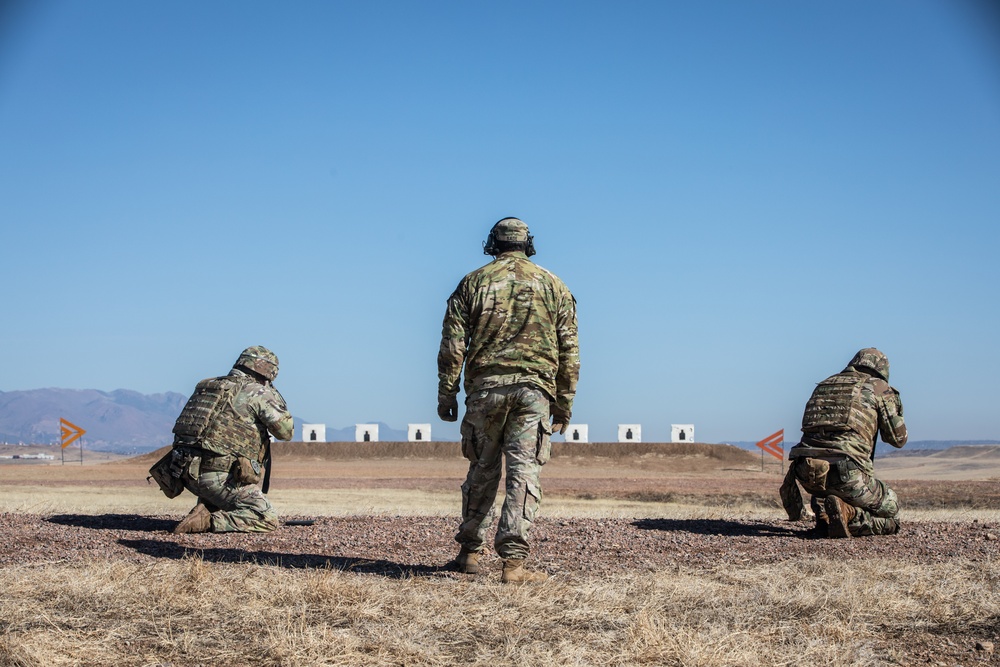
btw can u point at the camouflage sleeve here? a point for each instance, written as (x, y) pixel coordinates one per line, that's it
(270, 410)
(454, 334)
(569, 354)
(890, 418)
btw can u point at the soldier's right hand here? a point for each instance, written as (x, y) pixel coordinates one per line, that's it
(448, 408)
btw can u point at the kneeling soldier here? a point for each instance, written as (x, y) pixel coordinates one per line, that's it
(834, 461)
(222, 445)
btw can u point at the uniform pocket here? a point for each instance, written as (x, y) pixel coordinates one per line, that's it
(543, 449)
(532, 499)
(465, 499)
(194, 468)
(469, 441)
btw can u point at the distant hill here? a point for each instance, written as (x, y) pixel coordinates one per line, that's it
(121, 421)
(385, 433)
(883, 449)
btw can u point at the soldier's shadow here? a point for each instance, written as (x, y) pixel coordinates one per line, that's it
(724, 527)
(134, 522)
(174, 551)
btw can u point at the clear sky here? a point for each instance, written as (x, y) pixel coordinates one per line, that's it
(740, 195)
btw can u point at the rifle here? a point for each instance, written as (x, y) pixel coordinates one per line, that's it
(874, 444)
(266, 483)
(267, 463)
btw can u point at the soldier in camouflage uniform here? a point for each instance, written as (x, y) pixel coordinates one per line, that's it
(834, 461)
(512, 324)
(221, 440)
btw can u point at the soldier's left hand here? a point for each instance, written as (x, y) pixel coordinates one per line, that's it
(560, 419)
(448, 408)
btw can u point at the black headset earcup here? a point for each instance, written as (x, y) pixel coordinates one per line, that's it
(490, 245)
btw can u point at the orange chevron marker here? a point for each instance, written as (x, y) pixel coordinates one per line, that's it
(70, 432)
(774, 445)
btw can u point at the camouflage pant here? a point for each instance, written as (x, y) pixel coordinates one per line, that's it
(235, 507)
(877, 505)
(511, 423)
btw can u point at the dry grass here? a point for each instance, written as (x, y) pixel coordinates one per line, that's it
(193, 612)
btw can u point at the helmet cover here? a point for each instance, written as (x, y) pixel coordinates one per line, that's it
(872, 359)
(509, 230)
(259, 359)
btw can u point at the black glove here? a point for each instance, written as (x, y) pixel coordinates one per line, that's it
(448, 408)
(560, 418)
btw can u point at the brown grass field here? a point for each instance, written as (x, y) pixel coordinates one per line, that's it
(659, 555)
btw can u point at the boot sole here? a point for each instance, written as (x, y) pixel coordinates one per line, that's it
(838, 523)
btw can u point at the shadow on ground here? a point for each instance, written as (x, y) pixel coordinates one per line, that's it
(728, 528)
(168, 548)
(385, 568)
(136, 522)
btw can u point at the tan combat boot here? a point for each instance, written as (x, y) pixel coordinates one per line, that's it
(840, 514)
(822, 521)
(514, 573)
(198, 520)
(467, 561)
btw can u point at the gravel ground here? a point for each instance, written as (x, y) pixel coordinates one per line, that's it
(571, 548)
(397, 546)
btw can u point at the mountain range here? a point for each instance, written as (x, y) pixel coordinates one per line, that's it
(121, 421)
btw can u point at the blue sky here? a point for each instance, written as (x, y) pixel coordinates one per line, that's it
(739, 194)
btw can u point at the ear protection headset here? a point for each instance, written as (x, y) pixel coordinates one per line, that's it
(490, 246)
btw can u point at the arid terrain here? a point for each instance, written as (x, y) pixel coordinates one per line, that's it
(660, 554)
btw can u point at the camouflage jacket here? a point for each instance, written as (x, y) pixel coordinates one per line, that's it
(845, 415)
(511, 322)
(243, 427)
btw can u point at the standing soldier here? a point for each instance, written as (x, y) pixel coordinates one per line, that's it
(513, 326)
(834, 461)
(222, 444)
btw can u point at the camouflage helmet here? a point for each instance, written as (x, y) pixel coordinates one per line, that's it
(509, 230)
(872, 359)
(259, 359)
